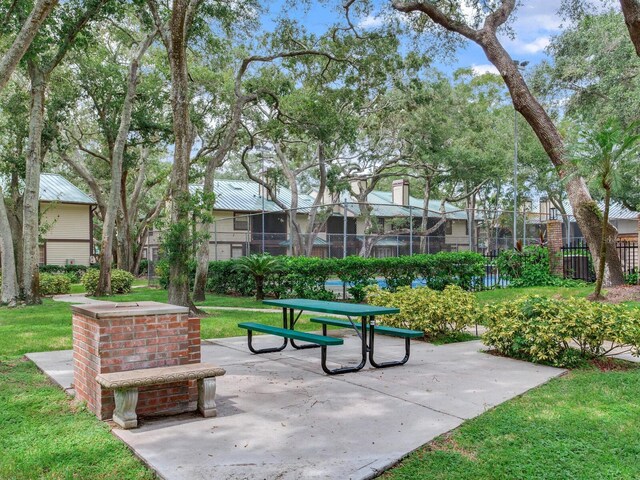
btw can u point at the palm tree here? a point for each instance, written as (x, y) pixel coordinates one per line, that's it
(260, 266)
(602, 152)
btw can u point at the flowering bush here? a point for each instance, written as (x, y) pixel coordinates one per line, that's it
(121, 281)
(436, 313)
(560, 332)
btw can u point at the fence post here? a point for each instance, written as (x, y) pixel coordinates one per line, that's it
(638, 251)
(410, 230)
(554, 239)
(344, 229)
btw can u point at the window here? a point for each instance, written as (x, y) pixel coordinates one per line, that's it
(43, 254)
(448, 227)
(240, 221)
(236, 251)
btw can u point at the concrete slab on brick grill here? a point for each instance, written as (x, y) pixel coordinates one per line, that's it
(280, 416)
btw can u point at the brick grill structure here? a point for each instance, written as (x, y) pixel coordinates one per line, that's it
(116, 337)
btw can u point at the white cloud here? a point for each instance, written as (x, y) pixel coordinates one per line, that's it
(371, 21)
(484, 68)
(537, 45)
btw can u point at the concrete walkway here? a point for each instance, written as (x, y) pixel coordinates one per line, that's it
(281, 417)
(76, 298)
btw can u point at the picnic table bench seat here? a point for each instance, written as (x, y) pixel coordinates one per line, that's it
(287, 333)
(392, 331)
(383, 330)
(312, 340)
(126, 383)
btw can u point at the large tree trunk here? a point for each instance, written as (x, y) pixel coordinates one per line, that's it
(597, 295)
(10, 292)
(21, 43)
(114, 205)
(584, 208)
(526, 104)
(631, 12)
(202, 254)
(183, 140)
(313, 227)
(30, 207)
(14, 213)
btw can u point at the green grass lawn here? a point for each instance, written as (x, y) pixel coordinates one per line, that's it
(506, 294)
(160, 295)
(583, 425)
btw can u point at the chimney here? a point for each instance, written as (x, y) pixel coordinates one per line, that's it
(400, 192)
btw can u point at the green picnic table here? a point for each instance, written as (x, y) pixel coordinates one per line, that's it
(365, 328)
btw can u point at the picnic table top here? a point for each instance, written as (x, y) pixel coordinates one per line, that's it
(338, 308)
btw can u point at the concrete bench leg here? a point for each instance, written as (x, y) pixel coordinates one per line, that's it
(206, 397)
(125, 412)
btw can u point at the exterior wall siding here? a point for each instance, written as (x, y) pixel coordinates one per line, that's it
(65, 221)
(68, 233)
(59, 252)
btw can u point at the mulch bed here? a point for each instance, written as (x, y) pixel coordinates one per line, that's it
(623, 293)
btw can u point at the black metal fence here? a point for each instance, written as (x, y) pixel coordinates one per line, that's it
(492, 277)
(578, 264)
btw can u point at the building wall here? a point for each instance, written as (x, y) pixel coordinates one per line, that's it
(458, 235)
(626, 227)
(68, 233)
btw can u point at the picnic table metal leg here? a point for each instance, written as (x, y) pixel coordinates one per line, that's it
(362, 363)
(273, 349)
(407, 349)
(292, 324)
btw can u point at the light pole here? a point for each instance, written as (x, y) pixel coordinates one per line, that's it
(520, 66)
(264, 191)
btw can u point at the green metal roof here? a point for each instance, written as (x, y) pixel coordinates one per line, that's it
(384, 207)
(244, 196)
(56, 188)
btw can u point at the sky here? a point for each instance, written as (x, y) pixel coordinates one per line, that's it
(535, 23)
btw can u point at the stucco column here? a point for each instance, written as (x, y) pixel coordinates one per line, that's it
(554, 242)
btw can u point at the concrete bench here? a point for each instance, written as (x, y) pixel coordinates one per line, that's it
(125, 385)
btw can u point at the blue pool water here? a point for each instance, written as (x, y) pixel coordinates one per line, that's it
(489, 281)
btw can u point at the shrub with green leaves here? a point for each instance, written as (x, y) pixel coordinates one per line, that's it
(530, 268)
(560, 332)
(436, 313)
(51, 284)
(632, 278)
(121, 281)
(75, 272)
(307, 276)
(259, 267)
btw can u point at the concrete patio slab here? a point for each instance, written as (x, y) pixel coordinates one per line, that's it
(280, 417)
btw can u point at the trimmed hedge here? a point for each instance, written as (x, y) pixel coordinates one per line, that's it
(306, 277)
(51, 284)
(75, 272)
(121, 281)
